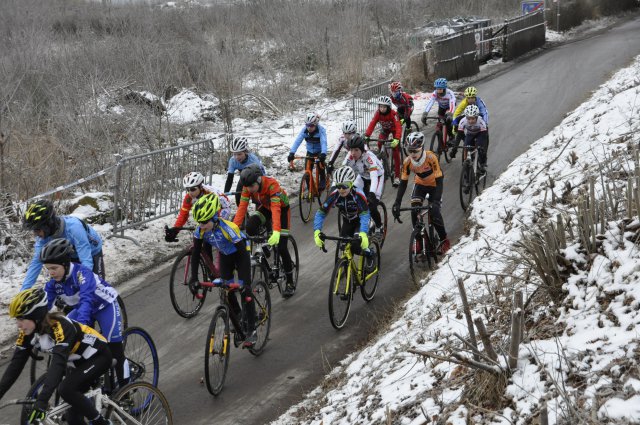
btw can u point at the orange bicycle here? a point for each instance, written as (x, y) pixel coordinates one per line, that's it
(310, 185)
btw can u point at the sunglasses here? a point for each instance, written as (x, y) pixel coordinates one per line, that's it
(414, 150)
(193, 189)
(310, 125)
(343, 186)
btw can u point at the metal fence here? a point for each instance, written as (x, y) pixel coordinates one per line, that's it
(364, 103)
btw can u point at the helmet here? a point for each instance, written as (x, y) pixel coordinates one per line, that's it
(470, 92)
(356, 142)
(415, 140)
(29, 304)
(58, 251)
(250, 175)
(384, 100)
(39, 215)
(349, 127)
(395, 86)
(192, 179)
(312, 118)
(206, 208)
(440, 83)
(472, 111)
(239, 144)
(344, 175)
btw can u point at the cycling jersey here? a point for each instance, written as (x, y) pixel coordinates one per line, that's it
(270, 196)
(368, 167)
(426, 172)
(83, 237)
(459, 113)
(188, 203)
(235, 165)
(404, 105)
(352, 207)
(224, 236)
(389, 122)
(316, 141)
(472, 129)
(448, 101)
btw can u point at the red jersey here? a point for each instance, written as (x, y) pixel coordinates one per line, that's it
(270, 196)
(404, 105)
(389, 123)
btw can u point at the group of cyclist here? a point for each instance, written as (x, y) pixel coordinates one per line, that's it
(71, 250)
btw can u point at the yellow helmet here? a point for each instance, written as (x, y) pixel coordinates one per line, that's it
(29, 304)
(206, 208)
(470, 92)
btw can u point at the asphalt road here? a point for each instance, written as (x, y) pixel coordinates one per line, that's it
(526, 101)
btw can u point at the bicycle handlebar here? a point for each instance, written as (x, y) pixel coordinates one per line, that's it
(220, 283)
(351, 239)
(418, 208)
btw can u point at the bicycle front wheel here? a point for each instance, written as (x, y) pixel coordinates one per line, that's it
(217, 350)
(183, 297)
(141, 354)
(305, 200)
(340, 294)
(419, 261)
(370, 285)
(139, 403)
(432, 242)
(33, 394)
(466, 185)
(436, 144)
(39, 365)
(383, 214)
(292, 248)
(262, 300)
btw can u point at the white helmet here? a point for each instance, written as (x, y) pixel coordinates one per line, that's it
(192, 179)
(312, 118)
(344, 175)
(472, 111)
(384, 100)
(349, 127)
(239, 144)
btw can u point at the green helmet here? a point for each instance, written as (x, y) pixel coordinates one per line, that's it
(206, 208)
(470, 92)
(39, 215)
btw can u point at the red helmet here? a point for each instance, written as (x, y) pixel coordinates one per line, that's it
(395, 86)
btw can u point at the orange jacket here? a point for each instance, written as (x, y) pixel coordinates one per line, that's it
(270, 196)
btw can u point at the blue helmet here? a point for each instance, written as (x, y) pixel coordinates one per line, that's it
(440, 83)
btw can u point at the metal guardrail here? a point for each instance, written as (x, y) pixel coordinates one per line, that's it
(364, 104)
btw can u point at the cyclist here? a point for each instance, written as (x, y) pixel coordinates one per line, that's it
(428, 181)
(403, 102)
(316, 137)
(473, 130)
(470, 98)
(272, 211)
(91, 298)
(446, 99)
(370, 175)
(349, 130)
(234, 255)
(390, 123)
(240, 159)
(41, 218)
(67, 341)
(352, 204)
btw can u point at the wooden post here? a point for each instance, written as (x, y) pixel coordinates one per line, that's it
(486, 341)
(467, 313)
(516, 332)
(544, 414)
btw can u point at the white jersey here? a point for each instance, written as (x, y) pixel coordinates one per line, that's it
(368, 167)
(225, 203)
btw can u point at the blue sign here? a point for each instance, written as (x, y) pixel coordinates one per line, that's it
(532, 6)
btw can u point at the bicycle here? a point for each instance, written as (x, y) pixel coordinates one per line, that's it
(187, 300)
(470, 179)
(423, 242)
(342, 285)
(272, 273)
(310, 185)
(216, 356)
(439, 139)
(385, 154)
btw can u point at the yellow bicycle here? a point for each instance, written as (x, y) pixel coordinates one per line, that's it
(349, 273)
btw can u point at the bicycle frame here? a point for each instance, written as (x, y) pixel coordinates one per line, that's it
(228, 289)
(314, 174)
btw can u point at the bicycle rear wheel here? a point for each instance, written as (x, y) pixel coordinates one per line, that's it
(183, 297)
(419, 262)
(143, 402)
(305, 199)
(466, 185)
(217, 350)
(370, 285)
(340, 294)
(142, 356)
(262, 299)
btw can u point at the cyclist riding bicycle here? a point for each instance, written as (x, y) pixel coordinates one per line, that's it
(390, 123)
(41, 218)
(240, 159)
(370, 175)
(403, 102)
(234, 251)
(272, 211)
(446, 99)
(349, 130)
(67, 341)
(470, 98)
(352, 204)
(473, 130)
(428, 181)
(91, 298)
(316, 137)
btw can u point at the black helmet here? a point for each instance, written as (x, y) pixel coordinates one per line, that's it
(39, 216)
(58, 251)
(250, 175)
(356, 142)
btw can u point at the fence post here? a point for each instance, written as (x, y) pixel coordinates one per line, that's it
(115, 219)
(505, 53)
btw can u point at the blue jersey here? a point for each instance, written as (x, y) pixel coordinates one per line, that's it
(84, 238)
(224, 237)
(234, 164)
(84, 290)
(316, 141)
(352, 206)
